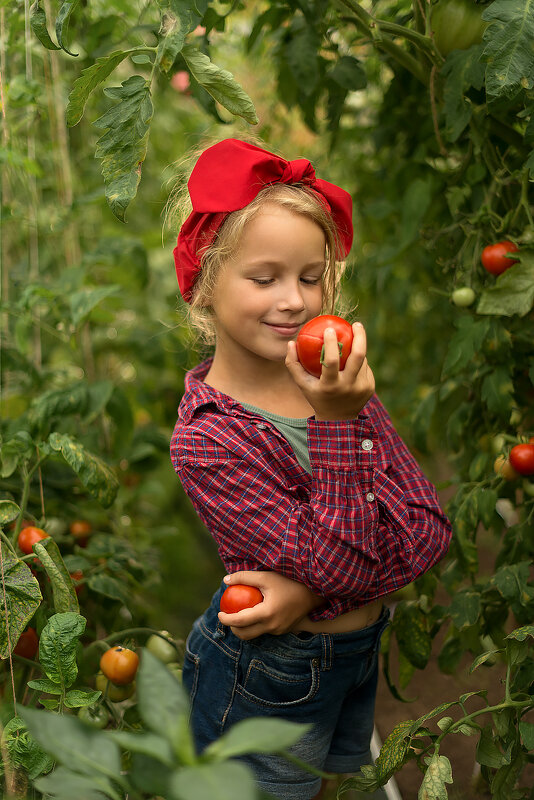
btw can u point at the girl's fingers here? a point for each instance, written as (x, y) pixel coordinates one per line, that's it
(358, 350)
(298, 373)
(330, 356)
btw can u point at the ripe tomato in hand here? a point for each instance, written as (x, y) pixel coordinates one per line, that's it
(239, 596)
(310, 342)
(522, 458)
(494, 258)
(119, 665)
(29, 536)
(27, 644)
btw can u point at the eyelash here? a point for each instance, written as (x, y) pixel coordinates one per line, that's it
(268, 281)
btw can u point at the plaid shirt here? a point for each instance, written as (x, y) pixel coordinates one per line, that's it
(363, 524)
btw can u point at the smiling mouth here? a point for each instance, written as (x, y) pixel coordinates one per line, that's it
(284, 328)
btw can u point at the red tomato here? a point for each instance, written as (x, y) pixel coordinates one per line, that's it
(494, 258)
(310, 342)
(119, 665)
(29, 536)
(27, 644)
(522, 458)
(77, 576)
(240, 596)
(80, 528)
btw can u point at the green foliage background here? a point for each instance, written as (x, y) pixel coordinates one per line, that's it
(436, 148)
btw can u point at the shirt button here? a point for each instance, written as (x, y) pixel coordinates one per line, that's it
(367, 444)
(260, 426)
(369, 497)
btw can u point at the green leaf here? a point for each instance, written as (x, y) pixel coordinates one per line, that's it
(256, 736)
(57, 647)
(149, 744)
(162, 703)
(82, 303)
(62, 23)
(21, 594)
(77, 698)
(393, 753)
(63, 784)
(70, 741)
(23, 751)
(109, 587)
(46, 685)
(438, 773)
(224, 781)
(301, 48)
(38, 26)
(461, 71)
(488, 753)
(498, 391)
(8, 512)
(63, 591)
(220, 84)
(489, 655)
(520, 634)
(89, 79)
(411, 629)
(123, 146)
(508, 47)
(16, 450)
(526, 729)
(465, 344)
(465, 608)
(511, 581)
(97, 477)
(58, 403)
(513, 292)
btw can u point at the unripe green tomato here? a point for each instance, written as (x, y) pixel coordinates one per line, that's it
(528, 488)
(498, 444)
(457, 25)
(160, 648)
(97, 716)
(176, 670)
(114, 693)
(463, 297)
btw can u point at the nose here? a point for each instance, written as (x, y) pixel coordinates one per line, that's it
(291, 298)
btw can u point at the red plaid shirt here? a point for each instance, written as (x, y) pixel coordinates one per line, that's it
(363, 524)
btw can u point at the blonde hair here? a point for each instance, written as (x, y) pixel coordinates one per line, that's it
(297, 198)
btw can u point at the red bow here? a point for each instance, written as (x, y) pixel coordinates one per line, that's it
(227, 177)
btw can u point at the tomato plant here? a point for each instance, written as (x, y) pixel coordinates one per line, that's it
(29, 536)
(27, 644)
(457, 25)
(119, 665)
(239, 596)
(80, 528)
(522, 459)
(494, 257)
(463, 297)
(310, 342)
(164, 650)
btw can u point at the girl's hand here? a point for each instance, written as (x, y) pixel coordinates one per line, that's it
(285, 603)
(336, 395)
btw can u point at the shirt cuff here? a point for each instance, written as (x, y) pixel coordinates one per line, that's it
(342, 444)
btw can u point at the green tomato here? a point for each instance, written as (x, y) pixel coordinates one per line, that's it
(96, 715)
(113, 692)
(457, 24)
(528, 488)
(160, 648)
(463, 297)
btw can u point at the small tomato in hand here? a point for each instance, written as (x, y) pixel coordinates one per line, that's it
(160, 648)
(494, 257)
(310, 342)
(239, 596)
(29, 536)
(119, 665)
(522, 459)
(27, 644)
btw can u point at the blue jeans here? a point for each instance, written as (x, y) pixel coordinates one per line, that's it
(327, 679)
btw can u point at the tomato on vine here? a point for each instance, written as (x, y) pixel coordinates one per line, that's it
(96, 716)
(463, 297)
(162, 649)
(80, 528)
(113, 692)
(522, 459)
(119, 665)
(239, 596)
(494, 257)
(457, 25)
(504, 469)
(27, 644)
(310, 342)
(29, 536)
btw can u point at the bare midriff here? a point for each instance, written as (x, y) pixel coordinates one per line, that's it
(353, 620)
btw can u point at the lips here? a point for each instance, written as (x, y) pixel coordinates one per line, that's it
(284, 328)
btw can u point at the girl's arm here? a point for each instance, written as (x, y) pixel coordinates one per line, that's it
(285, 603)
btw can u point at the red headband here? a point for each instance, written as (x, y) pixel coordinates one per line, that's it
(227, 177)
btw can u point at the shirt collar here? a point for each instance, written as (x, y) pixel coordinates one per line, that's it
(197, 394)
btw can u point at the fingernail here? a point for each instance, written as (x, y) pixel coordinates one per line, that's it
(226, 579)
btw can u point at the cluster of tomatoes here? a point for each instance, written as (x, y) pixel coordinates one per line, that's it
(496, 258)
(519, 463)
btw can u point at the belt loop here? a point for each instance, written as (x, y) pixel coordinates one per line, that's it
(327, 654)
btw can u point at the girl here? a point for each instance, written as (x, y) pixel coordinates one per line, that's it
(304, 483)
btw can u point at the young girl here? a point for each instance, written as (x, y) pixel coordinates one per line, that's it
(305, 485)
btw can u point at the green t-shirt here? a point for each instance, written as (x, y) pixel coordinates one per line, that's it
(294, 430)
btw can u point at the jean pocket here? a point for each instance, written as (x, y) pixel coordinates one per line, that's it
(190, 669)
(274, 683)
